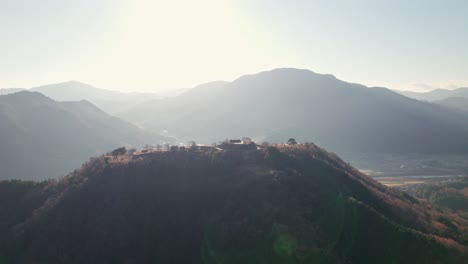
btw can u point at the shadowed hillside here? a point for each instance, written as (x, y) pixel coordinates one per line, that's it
(340, 116)
(41, 138)
(458, 103)
(284, 204)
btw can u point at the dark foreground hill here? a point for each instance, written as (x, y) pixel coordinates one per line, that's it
(42, 138)
(285, 204)
(340, 116)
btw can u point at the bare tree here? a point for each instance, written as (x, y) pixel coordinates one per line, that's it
(192, 144)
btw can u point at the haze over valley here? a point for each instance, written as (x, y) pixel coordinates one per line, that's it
(233, 131)
(369, 126)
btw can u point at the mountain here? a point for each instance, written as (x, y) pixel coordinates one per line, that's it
(109, 101)
(42, 138)
(283, 204)
(146, 114)
(10, 90)
(459, 103)
(437, 94)
(283, 103)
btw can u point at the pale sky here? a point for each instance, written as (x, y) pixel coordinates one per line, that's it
(156, 45)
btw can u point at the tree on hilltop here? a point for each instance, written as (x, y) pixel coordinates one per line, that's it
(119, 151)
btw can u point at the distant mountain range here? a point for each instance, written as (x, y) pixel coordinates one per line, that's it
(455, 99)
(273, 106)
(286, 204)
(437, 94)
(108, 100)
(42, 138)
(283, 103)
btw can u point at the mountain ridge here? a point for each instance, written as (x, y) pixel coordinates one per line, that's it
(50, 138)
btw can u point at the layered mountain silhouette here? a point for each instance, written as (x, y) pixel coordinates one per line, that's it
(283, 204)
(283, 103)
(437, 94)
(107, 100)
(42, 138)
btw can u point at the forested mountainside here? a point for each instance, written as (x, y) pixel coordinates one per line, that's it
(277, 204)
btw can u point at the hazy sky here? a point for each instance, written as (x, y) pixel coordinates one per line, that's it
(154, 45)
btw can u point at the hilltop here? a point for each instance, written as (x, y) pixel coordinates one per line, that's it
(271, 204)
